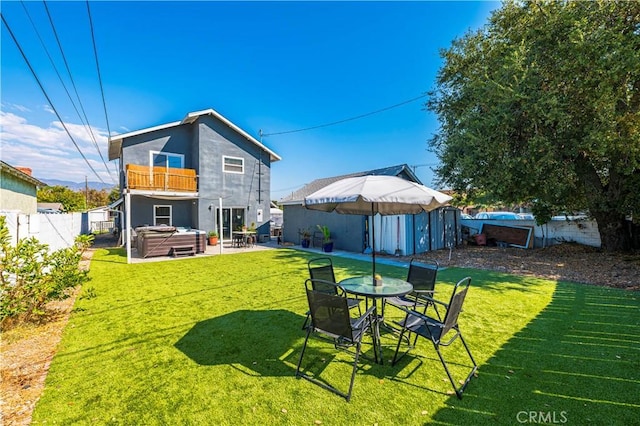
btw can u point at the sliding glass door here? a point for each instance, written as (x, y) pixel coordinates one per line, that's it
(232, 220)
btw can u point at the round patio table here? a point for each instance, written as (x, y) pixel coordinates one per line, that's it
(363, 286)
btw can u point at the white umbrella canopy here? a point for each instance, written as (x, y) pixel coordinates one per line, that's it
(371, 195)
(386, 195)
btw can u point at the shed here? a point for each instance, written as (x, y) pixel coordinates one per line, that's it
(402, 234)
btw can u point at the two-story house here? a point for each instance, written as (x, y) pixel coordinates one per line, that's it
(202, 172)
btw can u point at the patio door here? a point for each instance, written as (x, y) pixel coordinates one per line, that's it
(232, 219)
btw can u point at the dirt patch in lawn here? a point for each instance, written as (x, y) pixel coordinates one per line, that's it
(26, 352)
(563, 262)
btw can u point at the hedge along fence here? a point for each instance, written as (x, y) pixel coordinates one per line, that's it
(31, 275)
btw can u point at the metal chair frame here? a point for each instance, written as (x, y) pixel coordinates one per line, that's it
(423, 278)
(323, 278)
(436, 330)
(330, 320)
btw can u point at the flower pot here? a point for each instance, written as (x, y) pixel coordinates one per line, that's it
(213, 241)
(327, 247)
(305, 243)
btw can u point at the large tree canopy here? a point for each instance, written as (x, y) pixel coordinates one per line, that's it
(542, 106)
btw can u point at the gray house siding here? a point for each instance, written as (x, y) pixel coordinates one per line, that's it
(204, 143)
(217, 140)
(142, 211)
(177, 140)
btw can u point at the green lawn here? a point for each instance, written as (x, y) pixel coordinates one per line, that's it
(216, 340)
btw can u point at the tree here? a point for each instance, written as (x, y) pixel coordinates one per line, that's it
(96, 198)
(71, 201)
(541, 106)
(114, 195)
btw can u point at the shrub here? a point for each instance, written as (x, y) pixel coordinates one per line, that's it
(30, 276)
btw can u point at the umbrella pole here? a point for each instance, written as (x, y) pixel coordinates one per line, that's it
(373, 239)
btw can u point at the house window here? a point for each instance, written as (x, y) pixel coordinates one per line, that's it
(162, 215)
(233, 165)
(166, 159)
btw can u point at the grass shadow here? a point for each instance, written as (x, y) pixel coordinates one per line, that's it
(577, 362)
(255, 342)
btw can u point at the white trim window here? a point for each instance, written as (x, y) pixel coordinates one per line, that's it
(232, 164)
(162, 215)
(166, 159)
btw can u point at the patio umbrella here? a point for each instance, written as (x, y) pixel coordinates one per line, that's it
(371, 195)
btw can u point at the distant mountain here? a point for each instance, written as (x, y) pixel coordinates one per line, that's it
(77, 186)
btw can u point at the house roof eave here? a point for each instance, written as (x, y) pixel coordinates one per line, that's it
(20, 174)
(115, 142)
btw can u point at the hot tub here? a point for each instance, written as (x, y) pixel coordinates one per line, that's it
(168, 240)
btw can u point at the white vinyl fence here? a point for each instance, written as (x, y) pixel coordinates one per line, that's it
(56, 230)
(60, 230)
(581, 231)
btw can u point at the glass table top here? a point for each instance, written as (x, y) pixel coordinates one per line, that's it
(363, 286)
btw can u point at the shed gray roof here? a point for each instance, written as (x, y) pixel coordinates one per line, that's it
(297, 197)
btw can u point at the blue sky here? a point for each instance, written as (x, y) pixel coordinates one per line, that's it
(275, 66)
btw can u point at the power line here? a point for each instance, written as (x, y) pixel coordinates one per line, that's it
(95, 53)
(44, 92)
(64, 86)
(64, 58)
(348, 119)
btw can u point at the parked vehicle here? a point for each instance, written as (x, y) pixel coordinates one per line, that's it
(497, 216)
(526, 216)
(465, 216)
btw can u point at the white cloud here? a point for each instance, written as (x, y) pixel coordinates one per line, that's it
(20, 108)
(50, 152)
(48, 108)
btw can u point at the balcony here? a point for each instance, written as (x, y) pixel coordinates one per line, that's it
(167, 179)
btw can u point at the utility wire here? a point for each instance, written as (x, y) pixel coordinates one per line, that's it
(95, 53)
(86, 125)
(347, 119)
(44, 92)
(66, 64)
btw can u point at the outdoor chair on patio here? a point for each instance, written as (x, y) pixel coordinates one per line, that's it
(238, 240)
(436, 330)
(331, 321)
(423, 278)
(324, 280)
(318, 238)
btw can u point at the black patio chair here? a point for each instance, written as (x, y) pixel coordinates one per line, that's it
(318, 238)
(331, 321)
(436, 330)
(324, 280)
(423, 278)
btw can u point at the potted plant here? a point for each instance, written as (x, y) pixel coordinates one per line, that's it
(327, 243)
(213, 237)
(305, 236)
